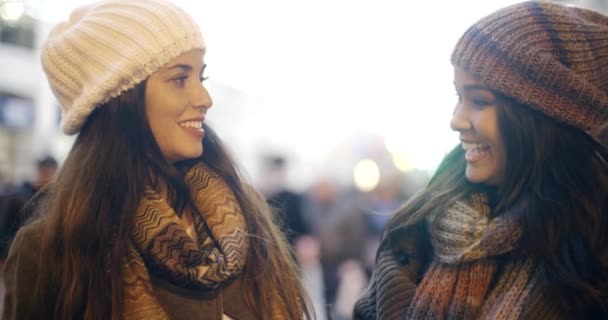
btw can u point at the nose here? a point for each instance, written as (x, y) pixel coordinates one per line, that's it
(201, 98)
(460, 120)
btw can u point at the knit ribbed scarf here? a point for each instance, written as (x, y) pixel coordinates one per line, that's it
(462, 281)
(161, 245)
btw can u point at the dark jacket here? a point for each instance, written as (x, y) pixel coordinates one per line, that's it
(13, 214)
(288, 206)
(20, 277)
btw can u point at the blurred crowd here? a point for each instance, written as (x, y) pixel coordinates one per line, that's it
(334, 230)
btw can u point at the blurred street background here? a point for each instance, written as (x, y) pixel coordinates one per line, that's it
(337, 110)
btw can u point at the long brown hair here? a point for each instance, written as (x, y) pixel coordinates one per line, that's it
(557, 182)
(89, 210)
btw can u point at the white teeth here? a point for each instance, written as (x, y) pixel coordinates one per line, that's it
(191, 124)
(475, 146)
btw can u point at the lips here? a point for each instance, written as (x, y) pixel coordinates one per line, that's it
(475, 151)
(195, 124)
(469, 146)
(193, 127)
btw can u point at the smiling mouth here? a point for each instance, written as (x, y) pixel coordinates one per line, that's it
(475, 151)
(194, 128)
(475, 147)
(191, 124)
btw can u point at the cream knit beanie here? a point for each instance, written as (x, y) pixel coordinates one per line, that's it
(109, 47)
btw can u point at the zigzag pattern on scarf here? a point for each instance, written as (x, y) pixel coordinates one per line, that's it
(153, 216)
(161, 244)
(140, 302)
(232, 244)
(203, 232)
(221, 216)
(173, 251)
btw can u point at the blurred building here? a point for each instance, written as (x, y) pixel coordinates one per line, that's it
(26, 128)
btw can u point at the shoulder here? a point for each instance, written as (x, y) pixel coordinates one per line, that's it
(391, 288)
(21, 273)
(27, 240)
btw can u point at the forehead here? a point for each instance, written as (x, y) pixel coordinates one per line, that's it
(463, 78)
(193, 58)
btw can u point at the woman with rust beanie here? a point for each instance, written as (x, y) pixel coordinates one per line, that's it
(513, 223)
(148, 218)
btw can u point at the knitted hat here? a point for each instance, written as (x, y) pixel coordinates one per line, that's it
(109, 47)
(549, 56)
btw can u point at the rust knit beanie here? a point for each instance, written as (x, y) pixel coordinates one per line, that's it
(548, 56)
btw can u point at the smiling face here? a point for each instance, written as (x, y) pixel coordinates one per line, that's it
(476, 119)
(176, 104)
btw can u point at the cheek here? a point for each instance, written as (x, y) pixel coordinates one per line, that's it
(163, 118)
(165, 111)
(162, 134)
(159, 123)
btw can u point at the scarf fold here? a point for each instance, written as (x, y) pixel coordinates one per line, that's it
(160, 244)
(465, 279)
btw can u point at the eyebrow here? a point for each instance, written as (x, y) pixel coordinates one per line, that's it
(473, 87)
(184, 67)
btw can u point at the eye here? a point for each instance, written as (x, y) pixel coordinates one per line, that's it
(480, 103)
(180, 82)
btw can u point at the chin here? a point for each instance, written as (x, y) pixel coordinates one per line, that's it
(482, 179)
(195, 155)
(476, 177)
(191, 154)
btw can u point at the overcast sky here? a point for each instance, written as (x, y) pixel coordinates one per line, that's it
(335, 65)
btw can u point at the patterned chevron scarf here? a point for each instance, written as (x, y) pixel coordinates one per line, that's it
(458, 283)
(160, 243)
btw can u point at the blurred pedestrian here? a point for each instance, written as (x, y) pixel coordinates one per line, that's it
(13, 203)
(286, 202)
